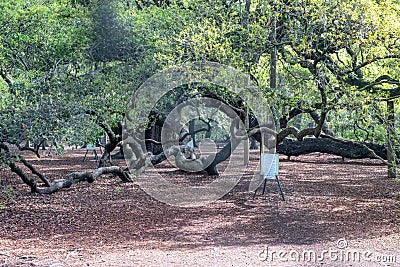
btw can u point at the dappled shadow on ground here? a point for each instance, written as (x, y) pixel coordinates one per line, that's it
(326, 200)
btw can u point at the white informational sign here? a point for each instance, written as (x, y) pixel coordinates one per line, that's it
(190, 144)
(90, 147)
(269, 165)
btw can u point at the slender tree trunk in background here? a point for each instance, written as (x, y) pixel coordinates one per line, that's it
(390, 134)
(246, 141)
(272, 75)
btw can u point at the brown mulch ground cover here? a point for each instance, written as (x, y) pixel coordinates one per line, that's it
(108, 223)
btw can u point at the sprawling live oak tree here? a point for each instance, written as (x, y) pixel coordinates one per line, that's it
(68, 69)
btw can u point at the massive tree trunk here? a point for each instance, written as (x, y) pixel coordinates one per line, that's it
(221, 156)
(108, 148)
(114, 135)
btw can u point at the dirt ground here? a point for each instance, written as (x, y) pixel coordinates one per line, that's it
(335, 214)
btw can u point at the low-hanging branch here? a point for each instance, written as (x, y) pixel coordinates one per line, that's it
(86, 176)
(70, 179)
(300, 135)
(370, 152)
(34, 171)
(334, 146)
(195, 132)
(56, 185)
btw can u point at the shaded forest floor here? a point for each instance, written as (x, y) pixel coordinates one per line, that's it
(348, 207)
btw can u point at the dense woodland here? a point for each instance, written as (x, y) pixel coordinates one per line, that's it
(329, 69)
